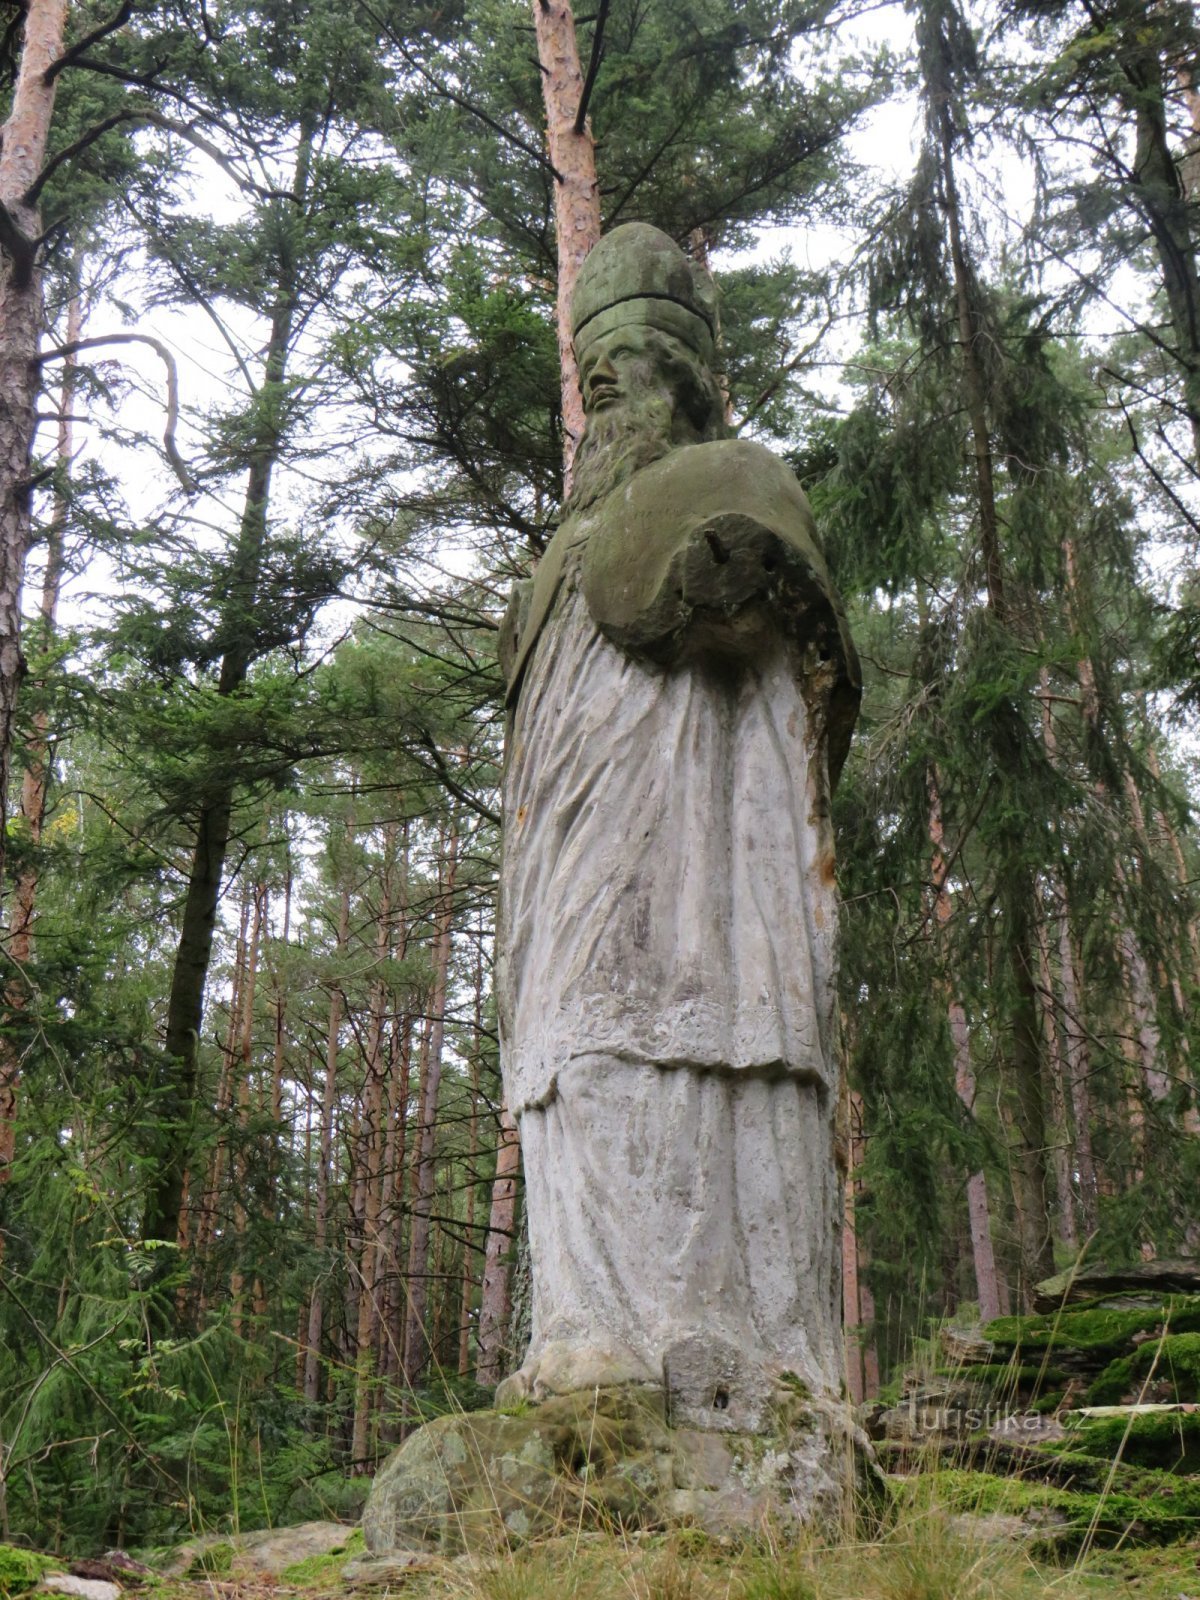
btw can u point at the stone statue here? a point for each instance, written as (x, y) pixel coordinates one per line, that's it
(682, 688)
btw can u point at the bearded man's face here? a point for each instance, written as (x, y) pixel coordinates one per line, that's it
(642, 390)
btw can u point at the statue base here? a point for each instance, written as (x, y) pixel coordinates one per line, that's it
(484, 1481)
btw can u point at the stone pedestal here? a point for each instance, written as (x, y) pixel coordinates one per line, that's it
(487, 1480)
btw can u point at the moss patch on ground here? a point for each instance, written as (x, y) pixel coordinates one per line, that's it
(317, 1571)
(21, 1570)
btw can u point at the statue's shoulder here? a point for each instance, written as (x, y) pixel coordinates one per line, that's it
(724, 475)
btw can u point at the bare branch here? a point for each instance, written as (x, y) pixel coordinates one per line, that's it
(593, 66)
(60, 352)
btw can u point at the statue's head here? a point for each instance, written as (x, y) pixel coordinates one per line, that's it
(644, 323)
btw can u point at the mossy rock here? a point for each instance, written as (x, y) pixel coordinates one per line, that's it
(22, 1570)
(1169, 1440)
(486, 1481)
(1141, 1508)
(212, 1561)
(324, 1569)
(1083, 1339)
(1174, 1362)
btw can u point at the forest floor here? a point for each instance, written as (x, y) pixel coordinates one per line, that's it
(925, 1557)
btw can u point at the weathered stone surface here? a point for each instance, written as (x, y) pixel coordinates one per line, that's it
(275, 1549)
(266, 1550)
(81, 1588)
(487, 1480)
(1145, 1283)
(711, 1385)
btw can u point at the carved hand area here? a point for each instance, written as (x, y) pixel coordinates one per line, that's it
(708, 554)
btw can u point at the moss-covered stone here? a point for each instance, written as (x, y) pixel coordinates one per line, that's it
(213, 1561)
(319, 1570)
(1166, 1439)
(21, 1570)
(1174, 1362)
(1139, 1507)
(1092, 1331)
(485, 1481)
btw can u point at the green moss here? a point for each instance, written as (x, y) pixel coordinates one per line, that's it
(1113, 1384)
(325, 1568)
(1175, 1361)
(1095, 1329)
(214, 1561)
(1146, 1508)
(1166, 1439)
(20, 1570)
(1005, 1374)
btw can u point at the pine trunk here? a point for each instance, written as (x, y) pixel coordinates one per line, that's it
(316, 1304)
(987, 1282)
(1017, 891)
(373, 1144)
(576, 190)
(417, 1329)
(35, 784)
(178, 1105)
(23, 141)
(495, 1305)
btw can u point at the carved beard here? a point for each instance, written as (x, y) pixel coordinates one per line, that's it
(618, 442)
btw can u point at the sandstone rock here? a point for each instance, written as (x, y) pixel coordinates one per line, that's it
(485, 1481)
(81, 1588)
(273, 1550)
(1145, 1282)
(268, 1550)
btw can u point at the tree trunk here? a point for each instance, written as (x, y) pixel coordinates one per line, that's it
(244, 1069)
(316, 1304)
(1056, 1080)
(1016, 887)
(495, 1305)
(576, 191)
(373, 1144)
(177, 1107)
(1158, 192)
(468, 1276)
(417, 1330)
(35, 783)
(1079, 1070)
(987, 1282)
(22, 150)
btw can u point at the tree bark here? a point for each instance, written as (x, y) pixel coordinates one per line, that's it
(185, 1004)
(468, 1276)
(23, 141)
(983, 1255)
(417, 1330)
(495, 1304)
(373, 1145)
(316, 1304)
(36, 780)
(576, 191)
(1016, 896)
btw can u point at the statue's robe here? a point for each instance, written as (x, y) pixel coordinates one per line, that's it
(668, 916)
